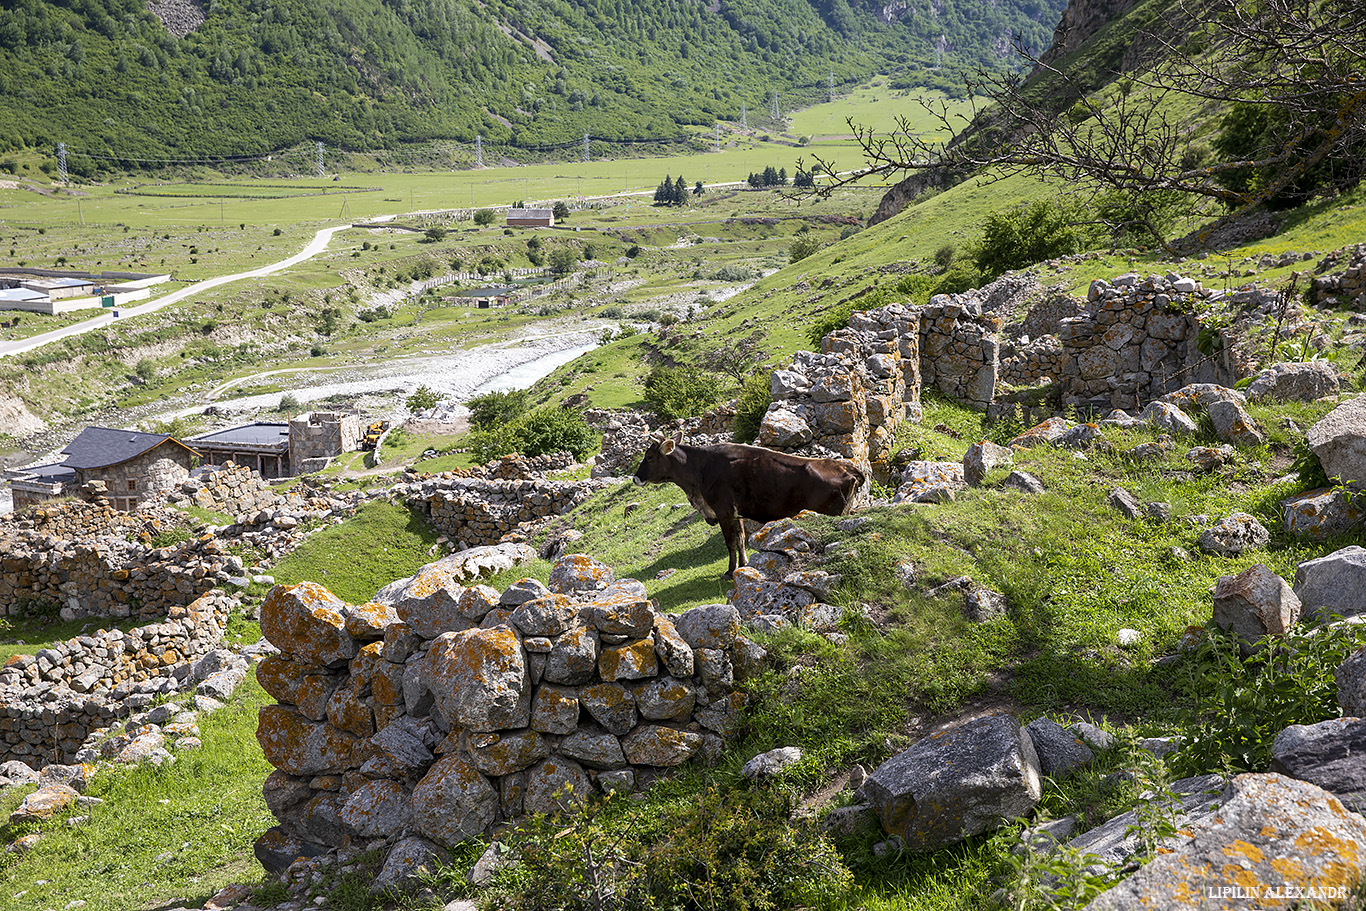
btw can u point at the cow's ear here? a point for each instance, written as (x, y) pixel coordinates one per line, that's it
(667, 446)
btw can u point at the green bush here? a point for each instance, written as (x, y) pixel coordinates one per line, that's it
(1238, 705)
(547, 429)
(738, 851)
(755, 397)
(423, 399)
(494, 408)
(485, 217)
(803, 246)
(1022, 237)
(680, 392)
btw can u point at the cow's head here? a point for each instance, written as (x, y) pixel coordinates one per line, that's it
(656, 466)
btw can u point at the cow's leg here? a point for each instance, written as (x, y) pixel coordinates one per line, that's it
(733, 529)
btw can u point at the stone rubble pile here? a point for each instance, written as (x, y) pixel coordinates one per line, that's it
(53, 701)
(228, 488)
(422, 719)
(1345, 289)
(627, 434)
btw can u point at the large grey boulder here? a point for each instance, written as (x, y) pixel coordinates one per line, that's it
(1233, 424)
(1269, 825)
(1317, 515)
(981, 458)
(1060, 751)
(784, 429)
(1329, 754)
(410, 863)
(1335, 584)
(1339, 440)
(1234, 534)
(1298, 382)
(1115, 841)
(958, 783)
(1168, 417)
(1253, 604)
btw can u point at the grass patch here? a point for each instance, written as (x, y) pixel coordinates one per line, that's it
(26, 635)
(357, 558)
(163, 836)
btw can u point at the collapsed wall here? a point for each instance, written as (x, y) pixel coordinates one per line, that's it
(53, 701)
(424, 718)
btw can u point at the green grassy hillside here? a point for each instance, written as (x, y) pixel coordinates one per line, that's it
(107, 78)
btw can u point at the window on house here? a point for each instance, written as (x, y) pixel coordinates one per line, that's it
(132, 484)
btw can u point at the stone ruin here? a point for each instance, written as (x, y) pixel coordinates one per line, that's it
(438, 711)
(53, 703)
(316, 436)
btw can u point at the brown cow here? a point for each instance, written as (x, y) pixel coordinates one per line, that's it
(729, 482)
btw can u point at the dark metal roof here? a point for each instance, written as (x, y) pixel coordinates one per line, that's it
(260, 433)
(50, 474)
(100, 447)
(495, 291)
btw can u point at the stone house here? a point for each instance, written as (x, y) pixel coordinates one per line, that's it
(531, 218)
(129, 463)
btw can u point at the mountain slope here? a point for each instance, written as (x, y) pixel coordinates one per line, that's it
(118, 83)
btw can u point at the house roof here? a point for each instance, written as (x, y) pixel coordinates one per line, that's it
(48, 474)
(530, 213)
(260, 433)
(21, 294)
(101, 447)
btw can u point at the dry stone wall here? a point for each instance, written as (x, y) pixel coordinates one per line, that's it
(52, 701)
(430, 715)
(476, 511)
(960, 349)
(228, 488)
(1139, 339)
(107, 576)
(1346, 288)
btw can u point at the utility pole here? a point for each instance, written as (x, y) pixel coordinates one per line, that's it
(61, 162)
(718, 137)
(744, 116)
(775, 106)
(585, 147)
(832, 83)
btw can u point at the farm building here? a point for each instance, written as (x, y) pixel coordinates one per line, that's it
(531, 218)
(52, 292)
(131, 464)
(260, 445)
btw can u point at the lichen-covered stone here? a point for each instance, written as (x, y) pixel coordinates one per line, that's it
(453, 801)
(555, 709)
(579, 574)
(611, 705)
(593, 749)
(547, 616)
(556, 785)
(709, 626)
(574, 657)
(479, 679)
(673, 652)
(377, 808)
(300, 747)
(623, 615)
(307, 622)
(665, 699)
(629, 661)
(658, 745)
(506, 751)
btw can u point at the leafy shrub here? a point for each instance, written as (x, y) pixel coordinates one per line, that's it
(1022, 237)
(547, 429)
(561, 211)
(943, 257)
(434, 234)
(962, 276)
(423, 399)
(494, 408)
(1238, 705)
(289, 404)
(485, 217)
(724, 852)
(563, 260)
(755, 397)
(802, 247)
(680, 392)
(732, 273)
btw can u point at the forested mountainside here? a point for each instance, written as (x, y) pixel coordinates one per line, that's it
(122, 80)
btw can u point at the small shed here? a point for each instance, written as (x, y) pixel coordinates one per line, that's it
(531, 218)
